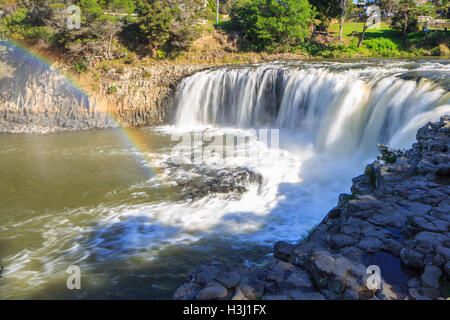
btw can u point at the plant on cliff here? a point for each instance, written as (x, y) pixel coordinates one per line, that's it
(269, 25)
(389, 155)
(168, 25)
(112, 89)
(81, 65)
(369, 172)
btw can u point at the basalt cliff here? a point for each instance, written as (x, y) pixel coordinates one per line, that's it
(388, 239)
(35, 98)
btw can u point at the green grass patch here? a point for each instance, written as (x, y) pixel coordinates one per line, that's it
(358, 27)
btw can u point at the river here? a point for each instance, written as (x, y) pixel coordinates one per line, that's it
(125, 214)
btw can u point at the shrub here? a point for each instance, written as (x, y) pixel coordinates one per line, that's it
(382, 46)
(389, 155)
(81, 65)
(164, 26)
(272, 24)
(444, 50)
(369, 172)
(112, 90)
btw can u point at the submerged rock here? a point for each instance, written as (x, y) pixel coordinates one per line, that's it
(203, 182)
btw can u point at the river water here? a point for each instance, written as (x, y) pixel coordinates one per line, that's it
(119, 210)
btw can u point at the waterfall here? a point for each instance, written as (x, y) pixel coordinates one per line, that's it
(340, 111)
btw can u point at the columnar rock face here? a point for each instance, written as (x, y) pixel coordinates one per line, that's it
(397, 219)
(142, 96)
(34, 98)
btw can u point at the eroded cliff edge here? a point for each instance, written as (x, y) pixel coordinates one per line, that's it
(35, 98)
(396, 218)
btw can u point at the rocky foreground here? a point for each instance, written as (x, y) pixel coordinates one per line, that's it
(396, 218)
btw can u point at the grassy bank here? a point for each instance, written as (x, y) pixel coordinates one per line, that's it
(380, 42)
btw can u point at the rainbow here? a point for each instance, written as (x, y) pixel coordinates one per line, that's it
(131, 135)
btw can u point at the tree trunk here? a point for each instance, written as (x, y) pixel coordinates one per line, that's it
(343, 4)
(362, 35)
(405, 28)
(341, 26)
(109, 47)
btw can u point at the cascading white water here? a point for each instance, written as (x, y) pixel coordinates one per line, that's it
(331, 115)
(340, 112)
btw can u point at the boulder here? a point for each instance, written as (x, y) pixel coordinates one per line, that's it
(213, 291)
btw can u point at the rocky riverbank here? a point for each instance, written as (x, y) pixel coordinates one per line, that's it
(35, 98)
(397, 218)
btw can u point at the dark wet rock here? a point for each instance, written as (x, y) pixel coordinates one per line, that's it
(411, 258)
(370, 245)
(414, 283)
(302, 295)
(229, 279)
(187, 291)
(206, 273)
(333, 214)
(239, 295)
(252, 289)
(213, 291)
(276, 297)
(397, 219)
(283, 250)
(341, 240)
(430, 276)
(213, 181)
(447, 269)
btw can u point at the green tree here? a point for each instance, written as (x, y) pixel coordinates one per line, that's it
(155, 22)
(326, 10)
(122, 6)
(405, 15)
(346, 11)
(90, 9)
(269, 24)
(169, 25)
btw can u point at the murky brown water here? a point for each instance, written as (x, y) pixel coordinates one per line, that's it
(80, 198)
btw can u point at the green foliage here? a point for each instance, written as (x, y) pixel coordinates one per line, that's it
(112, 89)
(270, 25)
(369, 172)
(309, 233)
(18, 25)
(164, 26)
(389, 155)
(90, 9)
(160, 54)
(383, 46)
(405, 14)
(398, 21)
(81, 65)
(124, 6)
(326, 10)
(155, 21)
(429, 39)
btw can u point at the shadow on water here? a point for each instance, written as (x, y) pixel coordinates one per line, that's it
(111, 272)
